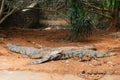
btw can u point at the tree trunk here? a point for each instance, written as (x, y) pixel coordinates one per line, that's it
(115, 21)
(114, 25)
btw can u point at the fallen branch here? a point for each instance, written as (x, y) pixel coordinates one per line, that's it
(7, 15)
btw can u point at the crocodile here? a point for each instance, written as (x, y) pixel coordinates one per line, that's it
(35, 53)
(45, 55)
(25, 51)
(81, 53)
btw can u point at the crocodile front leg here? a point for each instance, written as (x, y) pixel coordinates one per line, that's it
(52, 55)
(40, 61)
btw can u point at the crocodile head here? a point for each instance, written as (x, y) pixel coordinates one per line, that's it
(110, 54)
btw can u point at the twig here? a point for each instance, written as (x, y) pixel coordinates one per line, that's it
(100, 14)
(95, 7)
(2, 7)
(7, 15)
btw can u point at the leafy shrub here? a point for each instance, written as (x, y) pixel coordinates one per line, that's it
(80, 22)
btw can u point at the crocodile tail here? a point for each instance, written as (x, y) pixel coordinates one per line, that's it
(29, 51)
(13, 47)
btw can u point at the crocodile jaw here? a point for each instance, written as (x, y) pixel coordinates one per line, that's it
(110, 54)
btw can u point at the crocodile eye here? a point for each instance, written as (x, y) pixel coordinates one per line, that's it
(60, 53)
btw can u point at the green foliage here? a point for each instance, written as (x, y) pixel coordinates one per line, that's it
(109, 4)
(80, 22)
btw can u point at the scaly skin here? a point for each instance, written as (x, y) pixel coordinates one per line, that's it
(25, 51)
(81, 53)
(45, 55)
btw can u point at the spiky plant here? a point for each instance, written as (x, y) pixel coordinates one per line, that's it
(80, 22)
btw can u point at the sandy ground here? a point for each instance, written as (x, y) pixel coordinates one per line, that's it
(93, 70)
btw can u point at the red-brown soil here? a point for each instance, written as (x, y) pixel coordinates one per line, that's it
(55, 38)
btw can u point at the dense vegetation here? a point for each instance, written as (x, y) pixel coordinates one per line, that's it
(80, 21)
(83, 15)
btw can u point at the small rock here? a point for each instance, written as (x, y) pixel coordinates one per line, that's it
(67, 61)
(111, 64)
(82, 72)
(95, 63)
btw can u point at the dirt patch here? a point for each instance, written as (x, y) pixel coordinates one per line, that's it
(27, 75)
(55, 38)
